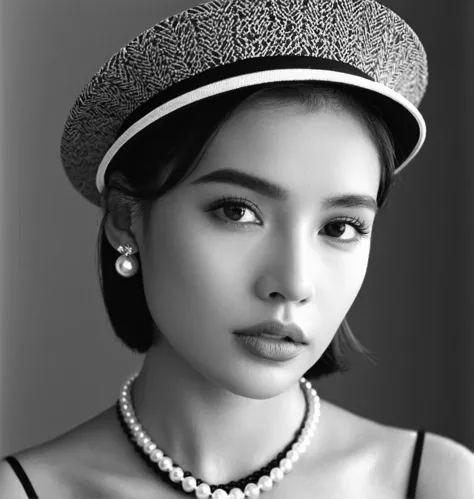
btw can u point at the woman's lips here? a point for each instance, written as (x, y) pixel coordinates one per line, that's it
(275, 329)
(273, 337)
(269, 347)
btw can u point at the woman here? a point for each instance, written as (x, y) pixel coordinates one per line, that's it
(240, 152)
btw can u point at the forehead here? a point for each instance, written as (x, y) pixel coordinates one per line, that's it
(324, 150)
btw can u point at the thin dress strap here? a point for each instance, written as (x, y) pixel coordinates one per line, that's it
(415, 465)
(22, 476)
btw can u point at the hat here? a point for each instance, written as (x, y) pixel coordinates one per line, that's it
(225, 45)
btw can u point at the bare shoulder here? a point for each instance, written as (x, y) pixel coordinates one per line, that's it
(446, 470)
(38, 471)
(446, 467)
(364, 455)
(9, 483)
(79, 463)
(47, 468)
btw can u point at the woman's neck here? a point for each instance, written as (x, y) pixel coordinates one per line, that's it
(214, 434)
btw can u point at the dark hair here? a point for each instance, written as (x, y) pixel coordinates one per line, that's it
(131, 184)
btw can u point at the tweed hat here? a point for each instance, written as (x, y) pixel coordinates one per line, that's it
(225, 45)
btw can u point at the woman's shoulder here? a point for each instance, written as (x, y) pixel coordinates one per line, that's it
(446, 468)
(81, 462)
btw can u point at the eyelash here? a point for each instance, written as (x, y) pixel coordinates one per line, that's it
(360, 226)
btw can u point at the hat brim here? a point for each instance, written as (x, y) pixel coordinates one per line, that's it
(402, 118)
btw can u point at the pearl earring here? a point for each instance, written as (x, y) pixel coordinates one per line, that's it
(126, 264)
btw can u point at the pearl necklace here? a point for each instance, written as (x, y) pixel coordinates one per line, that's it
(202, 490)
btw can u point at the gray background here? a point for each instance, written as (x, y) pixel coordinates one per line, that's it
(59, 361)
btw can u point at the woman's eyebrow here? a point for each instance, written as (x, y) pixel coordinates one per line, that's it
(278, 193)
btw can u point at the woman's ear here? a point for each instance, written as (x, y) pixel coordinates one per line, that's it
(118, 226)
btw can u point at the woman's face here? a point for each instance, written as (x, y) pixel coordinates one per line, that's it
(207, 274)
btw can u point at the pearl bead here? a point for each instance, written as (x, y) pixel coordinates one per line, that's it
(136, 427)
(150, 447)
(176, 475)
(294, 456)
(252, 491)
(303, 449)
(265, 483)
(189, 484)
(220, 494)
(125, 266)
(203, 491)
(286, 465)
(165, 464)
(142, 441)
(276, 475)
(296, 447)
(236, 494)
(156, 455)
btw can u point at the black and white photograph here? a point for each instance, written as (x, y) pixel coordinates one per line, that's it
(236, 249)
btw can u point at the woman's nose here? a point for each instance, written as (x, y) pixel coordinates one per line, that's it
(289, 271)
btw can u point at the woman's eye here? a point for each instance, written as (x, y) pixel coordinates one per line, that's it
(236, 211)
(340, 229)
